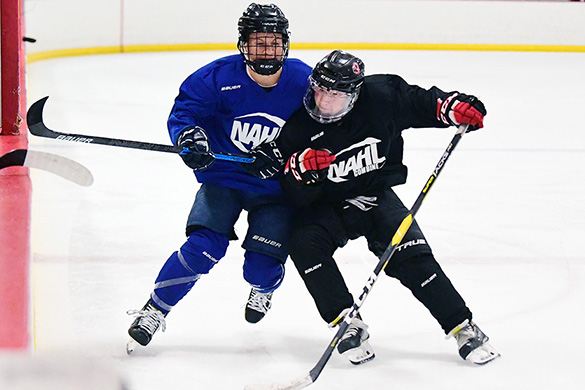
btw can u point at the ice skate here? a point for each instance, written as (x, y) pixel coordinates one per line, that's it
(148, 320)
(257, 306)
(354, 343)
(473, 344)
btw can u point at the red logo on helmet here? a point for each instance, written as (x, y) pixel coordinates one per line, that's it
(356, 68)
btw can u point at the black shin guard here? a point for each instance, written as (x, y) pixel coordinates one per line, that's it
(423, 276)
(311, 251)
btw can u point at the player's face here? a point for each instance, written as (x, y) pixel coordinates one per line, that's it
(330, 102)
(265, 46)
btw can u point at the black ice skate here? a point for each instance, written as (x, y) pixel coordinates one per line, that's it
(473, 344)
(257, 306)
(148, 320)
(354, 343)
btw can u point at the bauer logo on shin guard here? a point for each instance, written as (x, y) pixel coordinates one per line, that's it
(430, 279)
(213, 259)
(313, 268)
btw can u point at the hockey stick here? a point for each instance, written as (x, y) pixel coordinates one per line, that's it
(34, 117)
(59, 165)
(311, 377)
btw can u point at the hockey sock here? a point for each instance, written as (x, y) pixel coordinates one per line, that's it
(264, 273)
(202, 250)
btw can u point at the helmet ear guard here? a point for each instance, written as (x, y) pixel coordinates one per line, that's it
(263, 19)
(338, 71)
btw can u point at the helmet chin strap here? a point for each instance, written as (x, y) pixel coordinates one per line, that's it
(266, 67)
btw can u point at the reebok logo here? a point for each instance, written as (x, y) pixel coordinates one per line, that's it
(251, 130)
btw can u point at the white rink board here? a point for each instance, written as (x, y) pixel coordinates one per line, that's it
(66, 24)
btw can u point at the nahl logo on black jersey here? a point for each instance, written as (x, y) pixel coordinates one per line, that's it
(356, 160)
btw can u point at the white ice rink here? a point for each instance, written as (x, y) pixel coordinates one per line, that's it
(506, 220)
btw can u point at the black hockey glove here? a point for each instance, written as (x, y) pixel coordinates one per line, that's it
(196, 153)
(309, 166)
(459, 108)
(268, 161)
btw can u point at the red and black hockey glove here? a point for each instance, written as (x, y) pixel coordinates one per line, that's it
(309, 166)
(459, 108)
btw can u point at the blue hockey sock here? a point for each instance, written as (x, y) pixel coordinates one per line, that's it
(264, 273)
(202, 250)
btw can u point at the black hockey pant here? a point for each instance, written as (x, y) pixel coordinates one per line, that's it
(322, 230)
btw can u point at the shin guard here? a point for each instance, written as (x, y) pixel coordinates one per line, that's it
(202, 250)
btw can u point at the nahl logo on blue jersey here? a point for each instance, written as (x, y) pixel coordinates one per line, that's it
(251, 130)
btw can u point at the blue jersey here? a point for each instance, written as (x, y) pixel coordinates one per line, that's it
(237, 114)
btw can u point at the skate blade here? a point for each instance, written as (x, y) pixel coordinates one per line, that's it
(363, 361)
(131, 346)
(360, 355)
(483, 355)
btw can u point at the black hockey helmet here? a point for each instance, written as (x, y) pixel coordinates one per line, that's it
(340, 74)
(259, 18)
(339, 71)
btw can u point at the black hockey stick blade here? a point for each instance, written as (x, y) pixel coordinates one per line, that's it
(36, 126)
(58, 165)
(312, 376)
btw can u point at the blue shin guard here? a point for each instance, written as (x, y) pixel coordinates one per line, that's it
(202, 250)
(264, 273)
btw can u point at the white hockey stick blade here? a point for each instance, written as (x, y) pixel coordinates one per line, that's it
(299, 383)
(58, 165)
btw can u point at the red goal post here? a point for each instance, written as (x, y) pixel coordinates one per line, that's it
(15, 186)
(12, 67)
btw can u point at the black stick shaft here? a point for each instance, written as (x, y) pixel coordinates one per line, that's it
(37, 127)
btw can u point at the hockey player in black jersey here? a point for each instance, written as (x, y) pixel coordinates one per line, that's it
(344, 155)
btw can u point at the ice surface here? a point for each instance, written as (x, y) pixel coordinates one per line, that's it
(506, 221)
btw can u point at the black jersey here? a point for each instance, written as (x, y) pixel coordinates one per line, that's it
(367, 142)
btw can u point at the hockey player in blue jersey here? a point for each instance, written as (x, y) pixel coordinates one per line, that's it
(232, 105)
